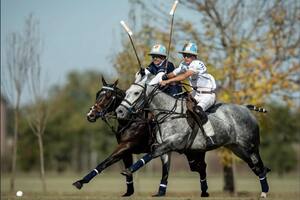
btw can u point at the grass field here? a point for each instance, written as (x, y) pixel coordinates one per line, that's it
(110, 186)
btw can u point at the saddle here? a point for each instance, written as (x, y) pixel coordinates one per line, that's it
(191, 103)
(194, 120)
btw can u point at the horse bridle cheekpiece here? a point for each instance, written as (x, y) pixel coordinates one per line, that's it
(138, 105)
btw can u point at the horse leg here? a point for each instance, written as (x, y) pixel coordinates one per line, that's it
(253, 159)
(114, 157)
(197, 164)
(127, 160)
(261, 171)
(165, 160)
(159, 150)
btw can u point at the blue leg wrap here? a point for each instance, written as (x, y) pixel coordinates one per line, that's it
(91, 175)
(264, 184)
(140, 163)
(163, 187)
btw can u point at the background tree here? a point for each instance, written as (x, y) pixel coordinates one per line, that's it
(20, 57)
(37, 114)
(73, 141)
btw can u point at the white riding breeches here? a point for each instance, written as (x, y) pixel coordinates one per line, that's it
(204, 100)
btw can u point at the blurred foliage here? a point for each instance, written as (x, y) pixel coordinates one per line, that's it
(281, 132)
(71, 142)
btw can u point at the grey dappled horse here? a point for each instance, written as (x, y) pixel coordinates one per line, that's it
(234, 126)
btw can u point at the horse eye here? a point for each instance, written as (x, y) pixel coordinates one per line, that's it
(136, 93)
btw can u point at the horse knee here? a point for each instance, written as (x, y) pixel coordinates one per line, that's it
(160, 149)
(260, 171)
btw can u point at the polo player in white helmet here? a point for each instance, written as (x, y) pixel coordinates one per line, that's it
(203, 84)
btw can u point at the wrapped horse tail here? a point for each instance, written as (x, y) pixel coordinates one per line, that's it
(255, 108)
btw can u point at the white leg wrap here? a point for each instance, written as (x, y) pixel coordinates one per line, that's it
(262, 178)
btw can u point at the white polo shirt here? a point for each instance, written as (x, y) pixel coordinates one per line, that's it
(200, 78)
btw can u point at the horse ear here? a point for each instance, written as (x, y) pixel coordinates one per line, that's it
(116, 82)
(103, 81)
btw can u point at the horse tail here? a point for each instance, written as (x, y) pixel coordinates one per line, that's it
(255, 108)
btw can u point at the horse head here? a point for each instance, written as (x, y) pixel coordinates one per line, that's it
(135, 99)
(107, 99)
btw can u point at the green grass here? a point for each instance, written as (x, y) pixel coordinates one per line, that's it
(110, 186)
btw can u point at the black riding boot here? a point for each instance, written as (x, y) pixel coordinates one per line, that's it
(202, 119)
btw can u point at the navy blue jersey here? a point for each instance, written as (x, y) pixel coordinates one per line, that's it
(171, 89)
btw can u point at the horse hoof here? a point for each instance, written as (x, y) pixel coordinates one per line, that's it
(126, 172)
(204, 194)
(159, 195)
(78, 185)
(263, 195)
(127, 194)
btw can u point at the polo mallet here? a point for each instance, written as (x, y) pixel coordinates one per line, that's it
(129, 32)
(172, 12)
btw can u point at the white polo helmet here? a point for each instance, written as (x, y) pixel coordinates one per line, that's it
(158, 49)
(190, 48)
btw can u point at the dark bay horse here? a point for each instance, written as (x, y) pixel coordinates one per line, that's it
(234, 126)
(133, 137)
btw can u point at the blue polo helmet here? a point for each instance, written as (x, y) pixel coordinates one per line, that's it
(158, 49)
(189, 48)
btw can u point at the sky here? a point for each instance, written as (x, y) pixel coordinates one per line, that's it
(76, 34)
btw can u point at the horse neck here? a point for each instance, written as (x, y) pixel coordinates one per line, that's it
(164, 101)
(120, 94)
(123, 122)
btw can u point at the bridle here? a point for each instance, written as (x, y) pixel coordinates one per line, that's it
(139, 104)
(142, 103)
(117, 96)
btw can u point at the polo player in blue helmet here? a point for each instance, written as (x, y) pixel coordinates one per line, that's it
(202, 82)
(158, 66)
